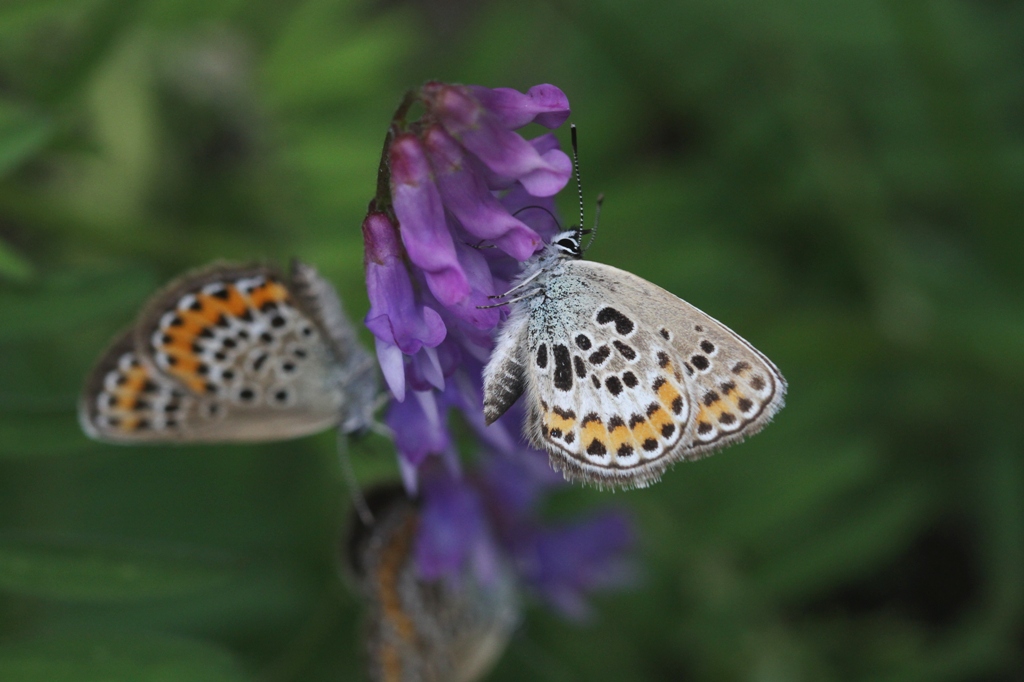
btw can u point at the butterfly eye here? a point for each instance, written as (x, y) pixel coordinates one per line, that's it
(569, 245)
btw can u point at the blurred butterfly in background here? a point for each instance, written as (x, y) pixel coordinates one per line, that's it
(233, 353)
(450, 630)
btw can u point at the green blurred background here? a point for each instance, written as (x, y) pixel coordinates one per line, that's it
(842, 182)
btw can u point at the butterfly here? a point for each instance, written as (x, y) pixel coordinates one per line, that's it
(450, 630)
(622, 378)
(233, 353)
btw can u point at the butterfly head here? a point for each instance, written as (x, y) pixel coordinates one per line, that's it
(567, 244)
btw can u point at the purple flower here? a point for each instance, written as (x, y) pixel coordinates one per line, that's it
(482, 132)
(399, 325)
(421, 218)
(462, 201)
(454, 530)
(544, 104)
(420, 427)
(467, 196)
(564, 563)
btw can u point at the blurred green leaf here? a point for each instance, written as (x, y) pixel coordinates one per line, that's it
(13, 266)
(845, 544)
(88, 657)
(69, 300)
(27, 435)
(21, 135)
(91, 570)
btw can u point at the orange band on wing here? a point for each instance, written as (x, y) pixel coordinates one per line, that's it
(271, 292)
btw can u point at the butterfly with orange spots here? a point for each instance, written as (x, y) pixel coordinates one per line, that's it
(621, 378)
(233, 353)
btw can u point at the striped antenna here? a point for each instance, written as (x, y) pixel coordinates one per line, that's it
(579, 187)
(579, 183)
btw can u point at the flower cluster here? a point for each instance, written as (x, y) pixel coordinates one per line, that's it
(462, 201)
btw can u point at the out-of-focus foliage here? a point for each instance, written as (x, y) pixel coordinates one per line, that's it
(842, 182)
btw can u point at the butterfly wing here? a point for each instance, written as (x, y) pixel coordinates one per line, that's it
(359, 379)
(239, 344)
(126, 400)
(425, 631)
(624, 378)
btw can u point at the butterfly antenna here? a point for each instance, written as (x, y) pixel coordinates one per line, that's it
(526, 208)
(579, 183)
(597, 217)
(355, 492)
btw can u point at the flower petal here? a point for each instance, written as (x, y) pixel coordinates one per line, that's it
(500, 149)
(452, 527)
(565, 563)
(466, 195)
(392, 365)
(420, 213)
(543, 104)
(394, 316)
(420, 427)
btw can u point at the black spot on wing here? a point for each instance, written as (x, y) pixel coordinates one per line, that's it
(625, 350)
(600, 355)
(542, 356)
(623, 325)
(563, 368)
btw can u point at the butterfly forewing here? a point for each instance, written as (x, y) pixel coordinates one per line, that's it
(624, 378)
